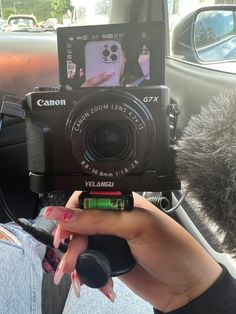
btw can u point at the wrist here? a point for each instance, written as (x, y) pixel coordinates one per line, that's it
(198, 286)
(219, 298)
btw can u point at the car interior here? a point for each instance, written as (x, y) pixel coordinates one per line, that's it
(29, 60)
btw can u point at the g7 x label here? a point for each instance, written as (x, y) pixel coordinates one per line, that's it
(151, 99)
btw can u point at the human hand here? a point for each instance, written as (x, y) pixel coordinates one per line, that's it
(172, 268)
(98, 79)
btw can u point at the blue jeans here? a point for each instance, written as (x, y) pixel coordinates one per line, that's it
(21, 273)
(21, 283)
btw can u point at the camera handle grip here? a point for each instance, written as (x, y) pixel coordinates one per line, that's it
(106, 256)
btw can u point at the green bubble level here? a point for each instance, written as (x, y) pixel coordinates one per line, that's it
(104, 203)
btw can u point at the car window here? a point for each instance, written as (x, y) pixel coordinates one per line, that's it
(22, 21)
(204, 33)
(52, 14)
(90, 12)
(28, 34)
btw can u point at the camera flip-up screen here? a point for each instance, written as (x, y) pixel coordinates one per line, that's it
(127, 55)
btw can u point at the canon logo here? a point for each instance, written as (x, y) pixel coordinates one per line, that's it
(99, 184)
(51, 102)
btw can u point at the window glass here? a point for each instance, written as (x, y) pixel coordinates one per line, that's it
(90, 12)
(54, 13)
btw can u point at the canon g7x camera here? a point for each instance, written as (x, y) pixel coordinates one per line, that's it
(92, 139)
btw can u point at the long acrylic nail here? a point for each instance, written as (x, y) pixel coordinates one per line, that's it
(108, 291)
(59, 272)
(57, 237)
(59, 213)
(75, 283)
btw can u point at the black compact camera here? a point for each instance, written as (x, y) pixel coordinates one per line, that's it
(108, 140)
(100, 139)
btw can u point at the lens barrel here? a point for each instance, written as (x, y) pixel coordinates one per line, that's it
(110, 133)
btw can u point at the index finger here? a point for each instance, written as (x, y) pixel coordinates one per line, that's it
(123, 224)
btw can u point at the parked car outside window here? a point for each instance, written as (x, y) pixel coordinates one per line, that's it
(20, 22)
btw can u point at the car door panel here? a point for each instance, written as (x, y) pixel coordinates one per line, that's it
(193, 85)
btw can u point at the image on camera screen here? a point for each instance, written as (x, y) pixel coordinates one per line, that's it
(111, 55)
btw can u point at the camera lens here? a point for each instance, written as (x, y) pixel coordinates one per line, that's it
(113, 57)
(109, 140)
(114, 48)
(106, 52)
(110, 133)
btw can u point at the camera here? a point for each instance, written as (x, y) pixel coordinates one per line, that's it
(114, 136)
(111, 139)
(108, 140)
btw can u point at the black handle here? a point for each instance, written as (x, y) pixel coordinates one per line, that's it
(107, 256)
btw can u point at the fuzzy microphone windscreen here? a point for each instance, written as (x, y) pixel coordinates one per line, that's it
(206, 163)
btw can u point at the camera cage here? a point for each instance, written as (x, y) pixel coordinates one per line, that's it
(54, 115)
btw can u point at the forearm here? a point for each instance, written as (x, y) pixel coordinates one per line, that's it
(220, 298)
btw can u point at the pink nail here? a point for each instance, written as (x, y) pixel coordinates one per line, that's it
(109, 74)
(59, 213)
(75, 283)
(108, 291)
(59, 272)
(57, 237)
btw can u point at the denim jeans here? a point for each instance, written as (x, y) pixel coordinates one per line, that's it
(21, 273)
(21, 283)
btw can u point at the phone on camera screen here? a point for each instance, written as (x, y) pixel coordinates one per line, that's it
(114, 55)
(103, 58)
